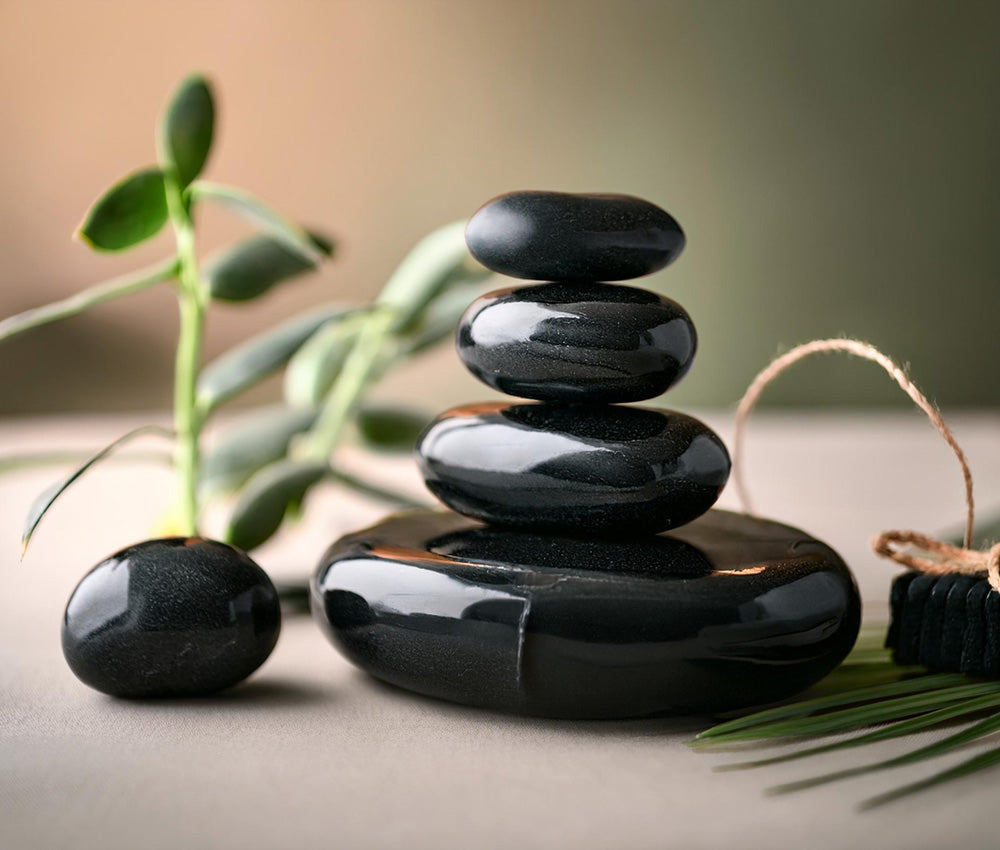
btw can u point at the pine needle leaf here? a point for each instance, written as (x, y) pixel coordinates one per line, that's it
(895, 730)
(724, 731)
(870, 714)
(938, 748)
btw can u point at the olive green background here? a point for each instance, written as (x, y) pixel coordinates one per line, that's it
(835, 165)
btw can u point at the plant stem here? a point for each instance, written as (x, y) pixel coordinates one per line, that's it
(359, 368)
(187, 419)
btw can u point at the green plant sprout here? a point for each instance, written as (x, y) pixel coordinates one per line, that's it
(332, 355)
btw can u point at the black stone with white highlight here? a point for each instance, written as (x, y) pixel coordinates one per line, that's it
(170, 618)
(577, 342)
(726, 612)
(559, 236)
(602, 469)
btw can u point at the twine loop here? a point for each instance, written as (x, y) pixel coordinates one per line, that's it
(911, 549)
(935, 557)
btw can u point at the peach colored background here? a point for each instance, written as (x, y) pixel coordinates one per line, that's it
(834, 165)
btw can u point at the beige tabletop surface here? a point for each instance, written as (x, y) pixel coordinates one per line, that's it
(310, 753)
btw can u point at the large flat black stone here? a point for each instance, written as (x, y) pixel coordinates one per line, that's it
(725, 612)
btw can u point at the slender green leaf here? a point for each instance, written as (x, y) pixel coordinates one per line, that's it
(376, 491)
(131, 211)
(268, 496)
(186, 129)
(115, 288)
(45, 501)
(252, 267)
(438, 322)
(973, 765)
(938, 748)
(866, 715)
(894, 730)
(437, 262)
(854, 676)
(295, 597)
(391, 428)
(34, 460)
(805, 708)
(250, 445)
(315, 366)
(260, 356)
(250, 207)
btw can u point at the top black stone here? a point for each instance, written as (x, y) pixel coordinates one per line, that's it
(558, 236)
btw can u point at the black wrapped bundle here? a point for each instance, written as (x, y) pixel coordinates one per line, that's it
(946, 622)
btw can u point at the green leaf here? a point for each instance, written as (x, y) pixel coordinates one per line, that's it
(251, 267)
(438, 322)
(315, 366)
(748, 727)
(437, 262)
(376, 491)
(938, 748)
(115, 288)
(893, 730)
(130, 212)
(46, 499)
(260, 356)
(391, 428)
(869, 714)
(268, 497)
(250, 445)
(33, 460)
(314, 247)
(186, 130)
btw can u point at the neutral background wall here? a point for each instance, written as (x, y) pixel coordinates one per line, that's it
(835, 165)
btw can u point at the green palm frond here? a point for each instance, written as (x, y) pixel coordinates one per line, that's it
(870, 695)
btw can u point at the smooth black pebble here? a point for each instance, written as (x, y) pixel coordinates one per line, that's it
(559, 236)
(577, 342)
(171, 617)
(592, 470)
(726, 612)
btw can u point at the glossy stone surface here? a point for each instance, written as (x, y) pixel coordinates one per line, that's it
(170, 617)
(593, 470)
(577, 342)
(725, 612)
(558, 236)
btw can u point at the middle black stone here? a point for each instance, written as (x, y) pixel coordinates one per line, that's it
(607, 470)
(577, 342)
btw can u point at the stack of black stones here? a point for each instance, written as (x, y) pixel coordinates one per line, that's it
(582, 573)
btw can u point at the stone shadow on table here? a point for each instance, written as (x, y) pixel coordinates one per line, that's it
(259, 694)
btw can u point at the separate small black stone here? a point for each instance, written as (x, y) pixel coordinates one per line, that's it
(949, 623)
(171, 617)
(577, 342)
(726, 612)
(586, 469)
(557, 236)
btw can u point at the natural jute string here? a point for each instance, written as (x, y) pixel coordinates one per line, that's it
(928, 555)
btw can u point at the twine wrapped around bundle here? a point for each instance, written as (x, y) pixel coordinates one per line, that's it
(925, 554)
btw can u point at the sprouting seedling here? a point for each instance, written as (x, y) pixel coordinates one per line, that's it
(332, 355)
(137, 208)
